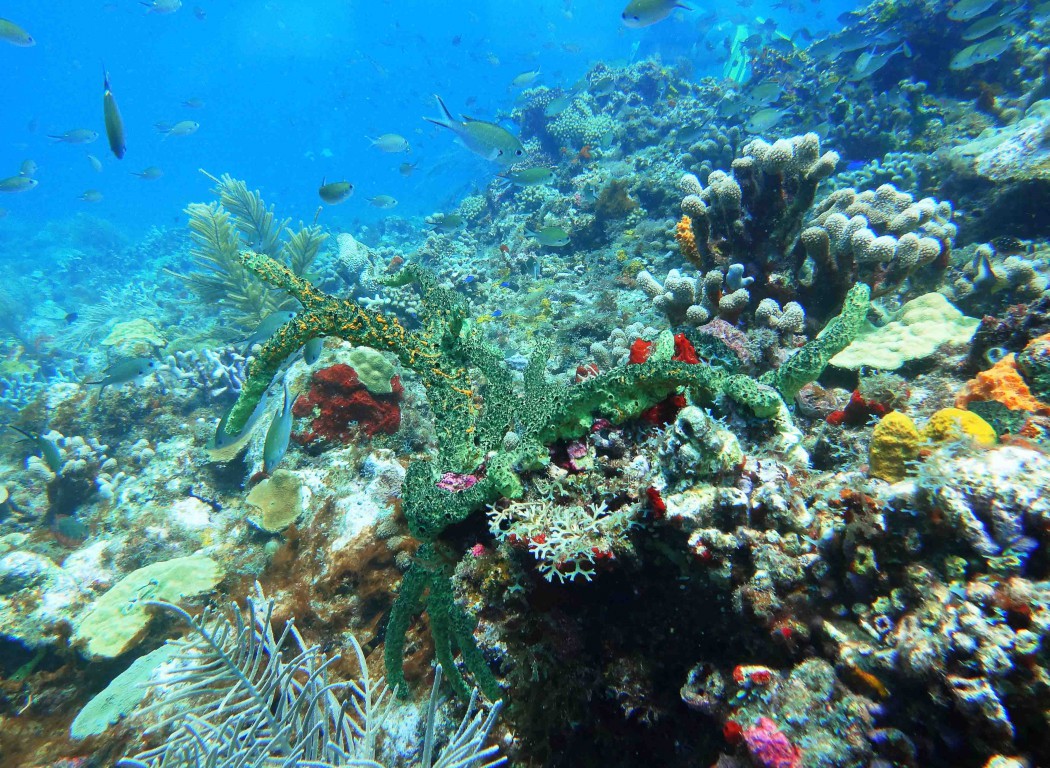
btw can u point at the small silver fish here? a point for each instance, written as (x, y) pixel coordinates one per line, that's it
(149, 174)
(267, 328)
(125, 371)
(644, 13)
(75, 136)
(763, 120)
(17, 184)
(964, 10)
(525, 79)
(529, 177)
(162, 7)
(181, 128)
(391, 142)
(385, 202)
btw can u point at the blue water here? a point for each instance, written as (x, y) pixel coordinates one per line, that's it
(291, 90)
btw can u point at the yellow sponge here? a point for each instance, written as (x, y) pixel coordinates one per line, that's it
(948, 423)
(894, 443)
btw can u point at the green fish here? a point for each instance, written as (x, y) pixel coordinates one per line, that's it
(386, 202)
(553, 237)
(482, 138)
(406, 169)
(48, 450)
(644, 13)
(17, 184)
(528, 177)
(124, 371)
(14, 34)
(276, 443)
(114, 122)
(267, 328)
(336, 192)
(91, 196)
(448, 222)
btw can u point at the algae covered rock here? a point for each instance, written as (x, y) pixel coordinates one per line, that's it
(117, 700)
(922, 325)
(134, 338)
(696, 447)
(117, 621)
(279, 499)
(894, 443)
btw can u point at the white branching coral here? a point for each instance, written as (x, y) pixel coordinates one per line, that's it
(567, 540)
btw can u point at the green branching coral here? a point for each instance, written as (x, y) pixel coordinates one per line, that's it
(483, 418)
(220, 230)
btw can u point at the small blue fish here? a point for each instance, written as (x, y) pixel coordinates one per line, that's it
(469, 279)
(506, 284)
(497, 313)
(312, 349)
(277, 436)
(267, 328)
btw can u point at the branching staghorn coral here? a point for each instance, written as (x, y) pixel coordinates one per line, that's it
(489, 428)
(220, 230)
(234, 699)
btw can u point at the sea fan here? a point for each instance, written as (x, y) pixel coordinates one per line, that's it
(234, 701)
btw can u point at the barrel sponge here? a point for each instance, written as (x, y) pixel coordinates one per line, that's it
(894, 442)
(921, 326)
(949, 423)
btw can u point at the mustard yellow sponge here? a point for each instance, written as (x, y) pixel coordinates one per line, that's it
(894, 442)
(948, 423)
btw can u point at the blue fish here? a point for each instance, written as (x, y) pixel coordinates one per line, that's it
(469, 279)
(497, 313)
(277, 436)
